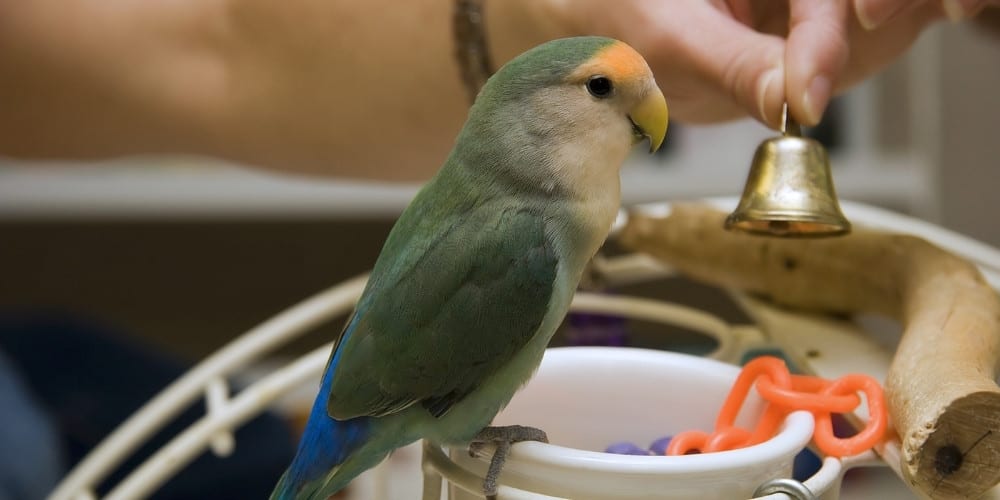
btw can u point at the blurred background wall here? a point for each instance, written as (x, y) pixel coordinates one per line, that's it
(970, 125)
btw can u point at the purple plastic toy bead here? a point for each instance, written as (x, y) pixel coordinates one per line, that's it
(596, 329)
(626, 448)
(659, 447)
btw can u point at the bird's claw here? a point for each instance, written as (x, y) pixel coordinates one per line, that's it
(502, 437)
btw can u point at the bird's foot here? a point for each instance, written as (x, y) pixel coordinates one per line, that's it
(502, 437)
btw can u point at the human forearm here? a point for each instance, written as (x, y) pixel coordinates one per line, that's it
(328, 87)
(333, 86)
(87, 78)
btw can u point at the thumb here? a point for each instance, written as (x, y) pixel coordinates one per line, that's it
(816, 53)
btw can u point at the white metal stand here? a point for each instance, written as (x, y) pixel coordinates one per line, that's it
(225, 413)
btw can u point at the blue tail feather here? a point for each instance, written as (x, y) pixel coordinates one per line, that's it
(326, 443)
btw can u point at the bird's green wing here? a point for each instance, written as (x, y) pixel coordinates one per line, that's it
(463, 307)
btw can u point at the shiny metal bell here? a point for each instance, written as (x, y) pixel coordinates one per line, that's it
(789, 191)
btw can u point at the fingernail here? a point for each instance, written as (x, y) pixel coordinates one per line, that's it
(767, 86)
(817, 95)
(871, 15)
(954, 10)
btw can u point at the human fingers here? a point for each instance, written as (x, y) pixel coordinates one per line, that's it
(873, 50)
(958, 10)
(872, 14)
(816, 54)
(732, 70)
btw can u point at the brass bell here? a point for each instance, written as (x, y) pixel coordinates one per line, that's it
(789, 191)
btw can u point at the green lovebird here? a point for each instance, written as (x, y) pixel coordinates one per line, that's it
(479, 270)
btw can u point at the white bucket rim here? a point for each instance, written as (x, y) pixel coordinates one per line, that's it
(795, 432)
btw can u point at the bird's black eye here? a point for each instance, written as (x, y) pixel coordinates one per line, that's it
(600, 86)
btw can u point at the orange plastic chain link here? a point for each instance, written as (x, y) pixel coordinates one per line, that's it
(784, 393)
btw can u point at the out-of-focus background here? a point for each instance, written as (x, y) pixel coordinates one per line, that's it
(184, 254)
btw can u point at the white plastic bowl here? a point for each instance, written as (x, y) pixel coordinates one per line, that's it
(586, 398)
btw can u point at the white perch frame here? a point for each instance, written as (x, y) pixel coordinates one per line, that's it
(224, 413)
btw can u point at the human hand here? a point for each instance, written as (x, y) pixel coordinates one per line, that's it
(874, 13)
(723, 59)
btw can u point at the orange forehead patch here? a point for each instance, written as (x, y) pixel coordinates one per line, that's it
(621, 61)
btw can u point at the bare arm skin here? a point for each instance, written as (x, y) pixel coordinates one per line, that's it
(348, 88)
(303, 85)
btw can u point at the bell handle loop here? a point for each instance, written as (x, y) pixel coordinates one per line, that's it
(789, 127)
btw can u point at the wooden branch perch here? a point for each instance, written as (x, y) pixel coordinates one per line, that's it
(942, 397)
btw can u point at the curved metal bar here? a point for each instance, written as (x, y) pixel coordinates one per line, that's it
(790, 487)
(291, 323)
